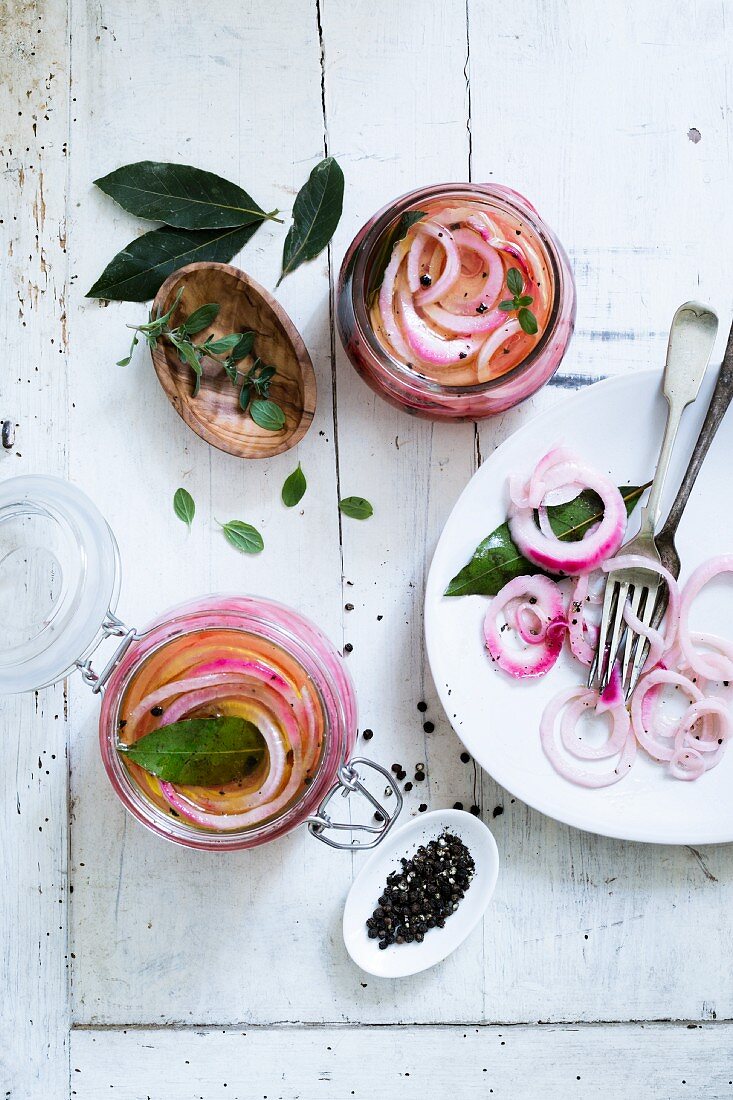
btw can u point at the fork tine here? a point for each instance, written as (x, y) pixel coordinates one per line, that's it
(597, 666)
(636, 597)
(647, 617)
(612, 640)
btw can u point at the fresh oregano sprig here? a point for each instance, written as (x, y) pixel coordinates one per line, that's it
(235, 347)
(519, 302)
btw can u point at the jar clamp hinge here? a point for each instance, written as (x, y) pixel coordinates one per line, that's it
(348, 782)
(112, 627)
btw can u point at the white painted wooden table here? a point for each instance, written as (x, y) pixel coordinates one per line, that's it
(130, 968)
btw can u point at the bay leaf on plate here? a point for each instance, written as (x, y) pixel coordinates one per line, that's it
(180, 195)
(496, 560)
(316, 212)
(137, 272)
(199, 752)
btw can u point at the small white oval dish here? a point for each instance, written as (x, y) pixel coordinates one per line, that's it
(398, 961)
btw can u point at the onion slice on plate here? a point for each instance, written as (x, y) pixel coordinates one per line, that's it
(621, 739)
(547, 550)
(713, 666)
(537, 596)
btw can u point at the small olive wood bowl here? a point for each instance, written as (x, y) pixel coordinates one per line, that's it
(215, 413)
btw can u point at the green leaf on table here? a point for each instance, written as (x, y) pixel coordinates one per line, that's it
(514, 280)
(184, 506)
(316, 212)
(243, 536)
(201, 318)
(356, 507)
(199, 752)
(139, 270)
(180, 195)
(497, 560)
(294, 488)
(267, 414)
(527, 320)
(386, 245)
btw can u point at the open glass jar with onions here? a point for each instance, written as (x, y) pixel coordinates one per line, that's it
(225, 723)
(456, 301)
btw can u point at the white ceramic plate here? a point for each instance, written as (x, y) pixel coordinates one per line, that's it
(617, 426)
(410, 958)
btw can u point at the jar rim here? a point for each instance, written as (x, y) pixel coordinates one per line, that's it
(380, 222)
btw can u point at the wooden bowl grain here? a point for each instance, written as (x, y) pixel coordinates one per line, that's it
(215, 414)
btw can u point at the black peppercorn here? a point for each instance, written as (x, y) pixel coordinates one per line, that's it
(348, 648)
(457, 805)
(368, 734)
(156, 711)
(475, 810)
(422, 706)
(426, 280)
(465, 757)
(428, 726)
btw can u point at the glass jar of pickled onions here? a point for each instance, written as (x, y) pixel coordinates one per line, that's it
(456, 301)
(216, 657)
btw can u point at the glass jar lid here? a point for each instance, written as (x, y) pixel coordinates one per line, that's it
(59, 578)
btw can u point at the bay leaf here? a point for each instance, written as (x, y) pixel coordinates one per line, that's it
(199, 752)
(386, 247)
(497, 560)
(316, 213)
(137, 272)
(180, 195)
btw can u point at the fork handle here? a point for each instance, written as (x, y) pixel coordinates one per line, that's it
(719, 402)
(691, 340)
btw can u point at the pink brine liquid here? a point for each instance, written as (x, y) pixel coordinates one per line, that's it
(466, 294)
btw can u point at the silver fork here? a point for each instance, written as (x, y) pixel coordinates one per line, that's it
(691, 340)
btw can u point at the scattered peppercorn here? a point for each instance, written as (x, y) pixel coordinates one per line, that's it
(349, 606)
(378, 816)
(396, 768)
(156, 711)
(482, 308)
(422, 706)
(426, 280)
(465, 757)
(419, 777)
(122, 723)
(348, 648)
(423, 807)
(408, 786)
(463, 355)
(475, 810)
(423, 893)
(457, 805)
(401, 774)
(428, 726)
(368, 734)
(497, 811)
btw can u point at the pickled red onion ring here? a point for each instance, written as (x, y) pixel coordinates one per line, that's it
(620, 734)
(386, 302)
(551, 553)
(464, 325)
(582, 635)
(490, 287)
(575, 744)
(641, 715)
(710, 665)
(424, 295)
(539, 657)
(491, 345)
(427, 344)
